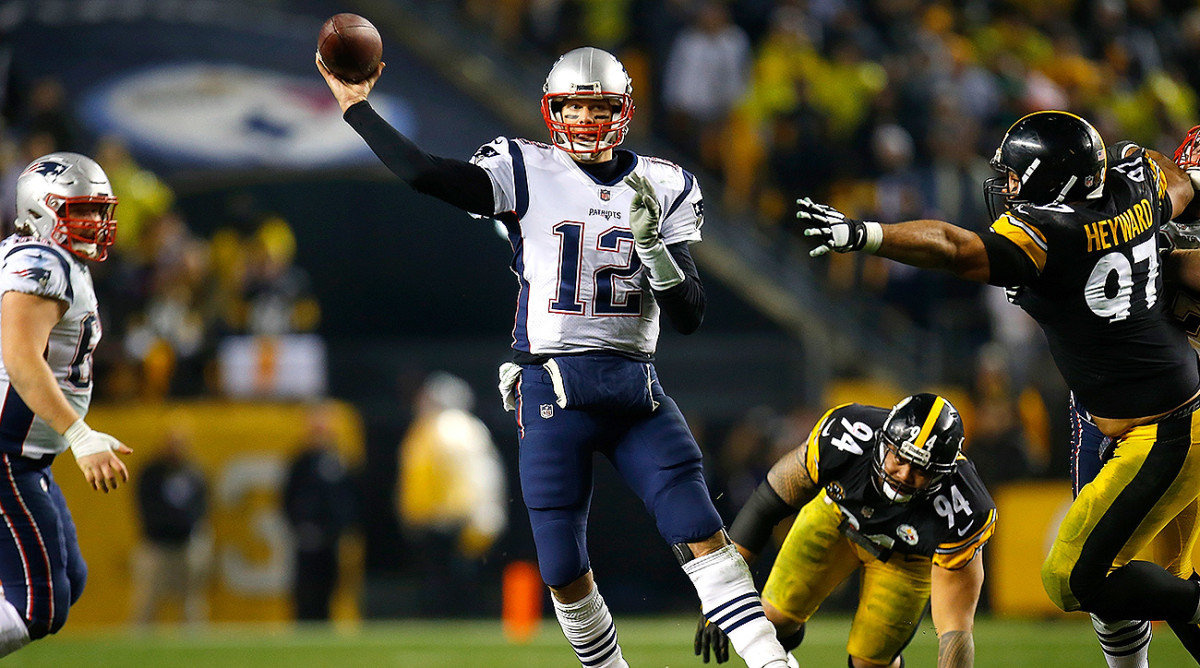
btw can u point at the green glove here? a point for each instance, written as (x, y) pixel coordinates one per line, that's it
(644, 213)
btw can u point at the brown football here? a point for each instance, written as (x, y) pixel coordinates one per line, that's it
(350, 47)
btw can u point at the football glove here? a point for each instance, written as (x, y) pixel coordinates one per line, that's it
(645, 212)
(835, 231)
(710, 637)
(1187, 156)
(645, 216)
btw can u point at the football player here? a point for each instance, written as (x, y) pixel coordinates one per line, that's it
(1076, 239)
(1126, 643)
(49, 326)
(887, 492)
(600, 241)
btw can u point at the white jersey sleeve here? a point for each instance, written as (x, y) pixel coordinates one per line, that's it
(681, 199)
(36, 270)
(508, 180)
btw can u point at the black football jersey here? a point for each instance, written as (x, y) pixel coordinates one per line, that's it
(949, 525)
(1098, 292)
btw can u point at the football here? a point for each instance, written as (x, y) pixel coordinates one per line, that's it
(350, 47)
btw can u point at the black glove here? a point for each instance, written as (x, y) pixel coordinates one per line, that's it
(709, 635)
(832, 228)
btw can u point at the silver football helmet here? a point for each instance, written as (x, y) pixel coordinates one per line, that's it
(66, 198)
(587, 73)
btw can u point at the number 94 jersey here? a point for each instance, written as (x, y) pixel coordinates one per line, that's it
(949, 525)
(1098, 288)
(582, 287)
(44, 269)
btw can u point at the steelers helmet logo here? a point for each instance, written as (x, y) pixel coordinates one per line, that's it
(907, 533)
(835, 490)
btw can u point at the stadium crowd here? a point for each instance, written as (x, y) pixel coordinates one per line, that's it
(179, 292)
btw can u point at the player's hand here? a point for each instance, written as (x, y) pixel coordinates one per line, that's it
(95, 454)
(104, 470)
(346, 93)
(709, 636)
(645, 212)
(831, 228)
(1187, 156)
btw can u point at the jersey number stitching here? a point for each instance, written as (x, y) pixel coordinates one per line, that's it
(608, 299)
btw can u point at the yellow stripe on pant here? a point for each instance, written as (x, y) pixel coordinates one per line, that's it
(816, 557)
(1149, 486)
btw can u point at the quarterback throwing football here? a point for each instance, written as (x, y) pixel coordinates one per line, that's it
(600, 241)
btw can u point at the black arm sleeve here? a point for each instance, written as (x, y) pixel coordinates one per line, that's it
(753, 525)
(1008, 265)
(684, 303)
(457, 182)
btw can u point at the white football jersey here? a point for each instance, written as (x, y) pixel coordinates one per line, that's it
(582, 286)
(43, 268)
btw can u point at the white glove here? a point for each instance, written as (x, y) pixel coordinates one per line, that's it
(645, 215)
(93, 452)
(510, 376)
(835, 231)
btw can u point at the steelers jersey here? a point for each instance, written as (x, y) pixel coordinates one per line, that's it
(581, 285)
(1098, 292)
(42, 268)
(949, 525)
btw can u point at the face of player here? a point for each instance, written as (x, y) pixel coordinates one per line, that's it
(907, 478)
(588, 112)
(88, 227)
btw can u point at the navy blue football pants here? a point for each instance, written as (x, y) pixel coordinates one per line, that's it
(41, 568)
(654, 453)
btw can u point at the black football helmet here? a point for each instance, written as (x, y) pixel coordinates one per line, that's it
(1053, 157)
(926, 431)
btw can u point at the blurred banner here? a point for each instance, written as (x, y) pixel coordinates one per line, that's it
(1027, 520)
(244, 450)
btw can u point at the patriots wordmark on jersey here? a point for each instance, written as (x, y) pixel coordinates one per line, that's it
(582, 286)
(42, 268)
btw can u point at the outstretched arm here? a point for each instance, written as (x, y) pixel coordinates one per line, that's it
(936, 244)
(456, 182)
(954, 597)
(929, 244)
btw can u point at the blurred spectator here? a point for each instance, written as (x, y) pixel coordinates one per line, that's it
(49, 114)
(144, 196)
(275, 291)
(319, 504)
(997, 442)
(174, 558)
(705, 74)
(451, 495)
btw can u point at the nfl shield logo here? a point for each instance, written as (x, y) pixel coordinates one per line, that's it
(605, 194)
(547, 411)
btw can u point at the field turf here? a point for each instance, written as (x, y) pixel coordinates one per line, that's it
(647, 642)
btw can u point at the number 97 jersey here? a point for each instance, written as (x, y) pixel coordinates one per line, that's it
(1098, 288)
(950, 524)
(41, 268)
(582, 287)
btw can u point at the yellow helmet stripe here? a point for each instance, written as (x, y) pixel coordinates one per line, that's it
(930, 420)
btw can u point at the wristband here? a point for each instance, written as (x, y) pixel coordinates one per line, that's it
(874, 236)
(664, 273)
(79, 436)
